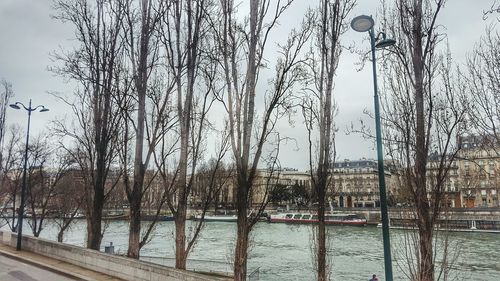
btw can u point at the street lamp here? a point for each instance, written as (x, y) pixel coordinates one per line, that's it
(365, 23)
(18, 105)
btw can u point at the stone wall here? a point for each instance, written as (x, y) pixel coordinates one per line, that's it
(373, 214)
(116, 266)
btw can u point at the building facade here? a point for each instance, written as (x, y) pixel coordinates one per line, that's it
(477, 175)
(355, 184)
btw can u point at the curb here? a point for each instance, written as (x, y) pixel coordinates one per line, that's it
(44, 266)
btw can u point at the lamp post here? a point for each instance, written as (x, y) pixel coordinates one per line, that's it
(18, 105)
(365, 23)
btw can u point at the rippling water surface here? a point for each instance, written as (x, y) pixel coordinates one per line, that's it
(283, 252)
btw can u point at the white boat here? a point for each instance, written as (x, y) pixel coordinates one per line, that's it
(217, 218)
(330, 219)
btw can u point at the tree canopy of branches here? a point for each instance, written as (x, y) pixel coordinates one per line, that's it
(296, 193)
(5, 95)
(45, 170)
(483, 85)
(7, 151)
(67, 201)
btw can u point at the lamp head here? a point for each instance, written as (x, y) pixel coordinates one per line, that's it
(362, 23)
(44, 109)
(384, 42)
(14, 105)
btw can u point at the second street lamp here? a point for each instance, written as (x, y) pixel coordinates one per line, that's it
(19, 105)
(365, 23)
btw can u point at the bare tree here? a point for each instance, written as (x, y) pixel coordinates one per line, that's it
(5, 153)
(67, 202)
(37, 194)
(142, 45)
(424, 113)
(5, 96)
(318, 109)
(96, 65)
(242, 48)
(208, 181)
(11, 171)
(185, 31)
(483, 84)
(45, 170)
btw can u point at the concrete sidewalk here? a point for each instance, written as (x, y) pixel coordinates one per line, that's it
(57, 266)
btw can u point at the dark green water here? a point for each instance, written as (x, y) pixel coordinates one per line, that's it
(283, 252)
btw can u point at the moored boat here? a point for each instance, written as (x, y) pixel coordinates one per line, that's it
(157, 218)
(115, 216)
(330, 219)
(217, 218)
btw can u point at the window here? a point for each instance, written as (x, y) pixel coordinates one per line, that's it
(306, 217)
(297, 216)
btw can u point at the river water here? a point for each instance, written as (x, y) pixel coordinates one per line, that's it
(283, 252)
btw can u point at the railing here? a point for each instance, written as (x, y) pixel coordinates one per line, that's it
(254, 275)
(208, 266)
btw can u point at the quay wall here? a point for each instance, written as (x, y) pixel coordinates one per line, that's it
(116, 266)
(373, 214)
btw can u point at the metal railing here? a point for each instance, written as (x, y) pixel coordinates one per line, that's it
(254, 275)
(209, 266)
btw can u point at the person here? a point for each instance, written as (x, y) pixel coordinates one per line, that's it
(374, 278)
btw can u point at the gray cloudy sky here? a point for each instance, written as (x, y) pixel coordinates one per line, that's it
(29, 35)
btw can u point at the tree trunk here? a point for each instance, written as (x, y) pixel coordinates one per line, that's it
(180, 215)
(65, 224)
(94, 220)
(94, 236)
(180, 238)
(14, 221)
(426, 272)
(60, 236)
(135, 223)
(321, 251)
(241, 249)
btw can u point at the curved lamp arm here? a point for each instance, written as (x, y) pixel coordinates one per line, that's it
(43, 109)
(16, 105)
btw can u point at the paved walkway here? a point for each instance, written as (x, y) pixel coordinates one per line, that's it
(15, 270)
(45, 265)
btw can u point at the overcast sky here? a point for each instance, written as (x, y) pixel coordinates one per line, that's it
(29, 35)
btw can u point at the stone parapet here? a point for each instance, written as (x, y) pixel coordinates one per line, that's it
(116, 266)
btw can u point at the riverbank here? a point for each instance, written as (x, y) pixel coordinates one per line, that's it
(282, 252)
